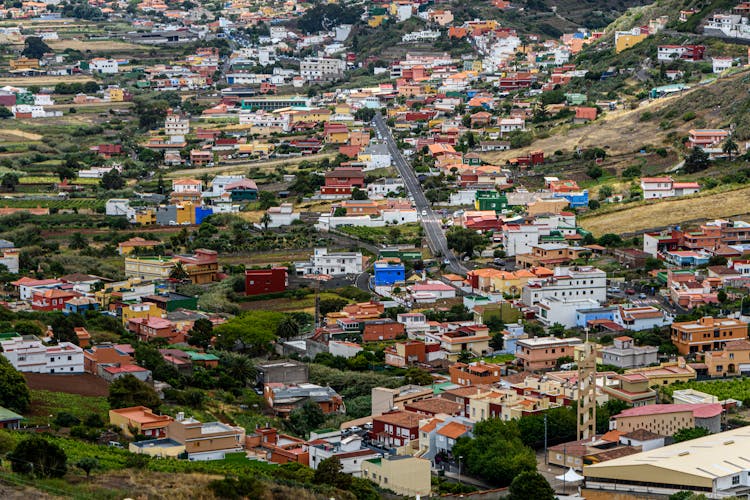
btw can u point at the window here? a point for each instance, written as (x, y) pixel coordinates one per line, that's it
(735, 480)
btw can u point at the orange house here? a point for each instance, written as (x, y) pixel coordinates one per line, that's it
(382, 329)
(475, 373)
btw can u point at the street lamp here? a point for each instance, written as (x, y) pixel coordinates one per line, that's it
(460, 457)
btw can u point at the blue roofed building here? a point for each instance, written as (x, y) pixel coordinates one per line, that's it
(389, 273)
(577, 199)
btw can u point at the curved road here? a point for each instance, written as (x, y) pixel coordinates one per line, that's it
(432, 224)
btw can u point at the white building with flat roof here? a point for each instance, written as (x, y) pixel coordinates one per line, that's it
(568, 283)
(333, 264)
(29, 354)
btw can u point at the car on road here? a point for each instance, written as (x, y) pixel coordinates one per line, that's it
(424, 212)
(642, 295)
(613, 289)
(630, 291)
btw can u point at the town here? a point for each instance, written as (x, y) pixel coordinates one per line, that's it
(362, 250)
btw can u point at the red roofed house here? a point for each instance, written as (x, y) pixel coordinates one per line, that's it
(666, 187)
(340, 181)
(670, 418)
(51, 300)
(150, 328)
(475, 373)
(396, 428)
(585, 114)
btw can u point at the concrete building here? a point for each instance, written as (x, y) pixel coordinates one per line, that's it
(519, 239)
(334, 264)
(583, 282)
(541, 353)
(385, 399)
(563, 311)
(707, 334)
(667, 419)
(29, 354)
(282, 371)
(206, 441)
(641, 318)
(139, 420)
(712, 465)
(321, 69)
(624, 354)
(402, 474)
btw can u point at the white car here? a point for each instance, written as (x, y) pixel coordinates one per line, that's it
(424, 212)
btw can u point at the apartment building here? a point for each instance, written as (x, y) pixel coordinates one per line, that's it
(321, 69)
(669, 418)
(582, 282)
(334, 264)
(707, 334)
(475, 373)
(625, 354)
(385, 399)
(403, 474)
(29, 354)
(541, 353)
(519, 239)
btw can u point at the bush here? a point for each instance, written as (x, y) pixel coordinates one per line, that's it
(65, 419)
(646, 116)
(39, 457)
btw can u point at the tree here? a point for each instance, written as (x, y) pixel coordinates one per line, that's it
(252, 332)
(10, 181)
(65, 172)
(87, 464)
(331, 305)
(5, 113)
(359, 194)
(38, 457)
(594, 171)
(240, 487)
(178, 272)
(128, 391)
(201, 333)
(464, 356)
(722, 296)
(465, 241)
(417, 376)
(307, 418)
(687, 434)
(78, 241)
(497, 342)
(288, 328)
(266, 200)
(330, 471)
(696, 161)
(339, 212)
(265, 220)
(112, 180)
(35, 48)
(530, 484)
(14, 393)
(730, 147)
(605, 192)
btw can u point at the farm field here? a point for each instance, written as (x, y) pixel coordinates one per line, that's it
(265, 166)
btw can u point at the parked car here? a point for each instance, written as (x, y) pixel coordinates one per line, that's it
(630, 291)
(642, 295)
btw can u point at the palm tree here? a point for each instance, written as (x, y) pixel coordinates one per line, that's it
(265, 220)
(238, 366)
(288, 328)
(178, 272)
(730, 147)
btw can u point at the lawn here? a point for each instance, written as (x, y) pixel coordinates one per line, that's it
(401, 234)
(499, 359)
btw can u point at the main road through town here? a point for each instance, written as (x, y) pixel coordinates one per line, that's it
(431, 222)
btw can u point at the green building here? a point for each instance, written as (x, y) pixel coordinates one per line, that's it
(490, 200)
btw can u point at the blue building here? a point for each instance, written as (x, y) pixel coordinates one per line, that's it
(79, 305)
(583, 316)
(686, 258)
(202, 212)
(576, 199)
(389, 273)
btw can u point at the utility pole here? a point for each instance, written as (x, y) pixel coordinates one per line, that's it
(545, 438)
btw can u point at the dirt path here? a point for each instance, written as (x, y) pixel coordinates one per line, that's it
(20, 134)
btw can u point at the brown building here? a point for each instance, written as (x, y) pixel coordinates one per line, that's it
(435, 406)
(707, 334)
(201, 267)
(630, 257)
(475, 373)
(206, 440)
(382, 329)
(549, 255)
(732, 361)
(104, 354)
(669, 418)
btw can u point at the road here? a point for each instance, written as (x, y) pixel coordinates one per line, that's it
(433, 227)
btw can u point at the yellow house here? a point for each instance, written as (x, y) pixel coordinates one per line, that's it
(336, 137)
(666, 373)
(376, 21)
(24, 63)
(145, 217)
(140, 310)
(311, 115)
(116, 94)
(402, 474)
(163, 448)
(624, 41)
(186, 213)
(149, 268)
(342, 109)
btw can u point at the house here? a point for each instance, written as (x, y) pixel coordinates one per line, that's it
(104, 354)
(666, 187)
(340, 181)
(475, 373)
(344, 349)
(519, 239)
(394, 429)
(349, 452)
(127, 247)
(283, 215)
(334, 263)
(720, 64)
(473, 338)
(283, 399)
(110, 373)
(103, 66)
(80, 305)
(388, 273)
(146, 329)
(563, 310)
(567, 282)
(671, 53)
(261, 281)
(585, 114)
(706, 138)
(385, 399)
(549, 255)
(140, 421)
(431, 291)
(624, 354)
(632, 388)
(707, 334)
(382, 329)
(732, 361)
(206, 441)
(641, 318)
(667, 419)
(690, 466)
(51, 299)
(402, 474)
(242, 190)
(666, 373)
(289, 372)
(9, 419)
(29, 354)
(542, 353)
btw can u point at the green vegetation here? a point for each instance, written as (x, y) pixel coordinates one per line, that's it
(14, 394)
(735, 388)
(46, 403)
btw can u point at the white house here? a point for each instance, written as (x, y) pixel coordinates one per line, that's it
(117, 206)
(382, 187)
(219, 184)
(104, 66)
(431, 291)
(319, 69)
(519, 239)
(376, 156)
(264, 119)
(581, 282)
(29, 354)
(553, 310)
(415, 323)
(348, 450)
(283, 215)
(624, 354)
(334, 264)
(641, 318)
(508, 125)
(721, 63)
(666, 187)
(344, 349)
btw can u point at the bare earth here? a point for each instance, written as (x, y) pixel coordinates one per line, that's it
(84, 384)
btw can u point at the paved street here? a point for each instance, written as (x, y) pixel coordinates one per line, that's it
(430, 220)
